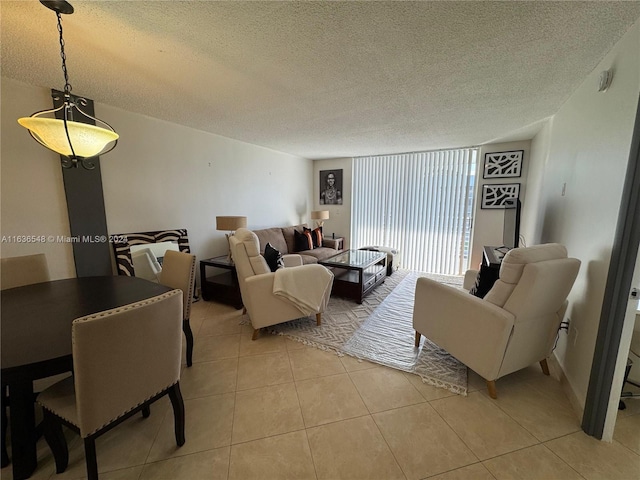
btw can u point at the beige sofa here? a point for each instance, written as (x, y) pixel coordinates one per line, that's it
(283, 240)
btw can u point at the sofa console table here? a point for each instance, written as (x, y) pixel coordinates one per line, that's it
(220, 287)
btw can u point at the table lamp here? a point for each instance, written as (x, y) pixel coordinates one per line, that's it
(230, 224)
(320, 216)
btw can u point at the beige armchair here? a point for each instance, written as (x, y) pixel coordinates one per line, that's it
(311, 284)
(513, 326)
(124, 359)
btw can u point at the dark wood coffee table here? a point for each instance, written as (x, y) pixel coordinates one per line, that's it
(357, 272)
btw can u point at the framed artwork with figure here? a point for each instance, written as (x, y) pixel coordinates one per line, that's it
(331, 187)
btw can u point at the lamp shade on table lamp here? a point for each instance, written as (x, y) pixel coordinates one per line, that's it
(320, 216)
(230, 224)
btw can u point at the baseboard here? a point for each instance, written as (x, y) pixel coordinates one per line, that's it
(558, 373)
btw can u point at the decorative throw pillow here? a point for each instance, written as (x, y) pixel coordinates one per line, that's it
(303, 240)
(316, 236)
(487, 276)
(273, 257)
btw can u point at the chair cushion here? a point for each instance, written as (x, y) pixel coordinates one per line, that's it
(273, 257)
(304, 240)
(273, 236)
(316, 236)
(289, 237)
(60, 398)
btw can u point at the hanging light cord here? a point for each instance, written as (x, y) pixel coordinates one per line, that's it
(67, 85)
(68, 105)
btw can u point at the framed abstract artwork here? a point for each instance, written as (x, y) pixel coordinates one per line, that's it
(503, 164)
(494, 194)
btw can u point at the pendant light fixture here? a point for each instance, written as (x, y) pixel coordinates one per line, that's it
(76, 141)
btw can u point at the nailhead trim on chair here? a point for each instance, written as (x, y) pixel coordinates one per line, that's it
(108, 313)
(125, 308)
(113, 419)
(192, 287)
(131, 306)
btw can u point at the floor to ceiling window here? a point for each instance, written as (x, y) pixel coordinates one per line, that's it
(420, 203)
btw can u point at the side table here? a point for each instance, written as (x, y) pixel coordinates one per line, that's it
(220, 287)
(337, 242)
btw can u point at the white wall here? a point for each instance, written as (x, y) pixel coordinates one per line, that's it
(532, 214)
(160, 176)
(588, 149)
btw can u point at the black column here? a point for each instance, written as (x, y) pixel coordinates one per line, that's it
(85, 206)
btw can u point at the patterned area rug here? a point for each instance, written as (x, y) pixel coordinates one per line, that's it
(380, 330)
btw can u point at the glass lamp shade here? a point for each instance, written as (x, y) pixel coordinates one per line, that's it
(87, 140)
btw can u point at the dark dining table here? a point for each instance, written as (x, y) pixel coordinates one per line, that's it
(36, 342)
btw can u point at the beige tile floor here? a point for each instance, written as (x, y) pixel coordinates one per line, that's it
(277, 409)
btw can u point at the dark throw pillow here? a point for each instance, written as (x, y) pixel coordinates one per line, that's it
(316, 236)
(273, 257)
(487, 276)
(303, 240)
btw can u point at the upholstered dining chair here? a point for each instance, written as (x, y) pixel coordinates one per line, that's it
(124, 359)
(310, 292)
(17, 272)
(179, 271)
(513, 326)
(24, 270)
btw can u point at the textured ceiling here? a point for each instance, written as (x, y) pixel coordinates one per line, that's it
(323, 79)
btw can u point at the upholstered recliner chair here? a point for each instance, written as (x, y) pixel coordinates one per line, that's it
(513, 326)
(275, 297)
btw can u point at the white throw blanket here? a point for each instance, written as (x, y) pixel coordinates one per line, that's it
(305, 287)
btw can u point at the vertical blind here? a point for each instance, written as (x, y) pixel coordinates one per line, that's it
(420, 203)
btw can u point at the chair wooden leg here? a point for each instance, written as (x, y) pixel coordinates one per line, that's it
(56, 441)
(256, 331)
(178, 413)
(545, 366)
(417, 344)
(90, 458)
(186, 328)
(491, 386)
(318, 319)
